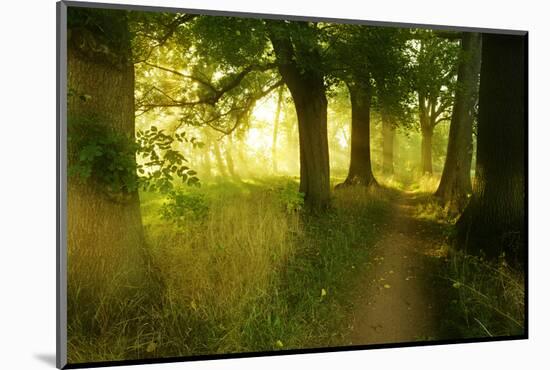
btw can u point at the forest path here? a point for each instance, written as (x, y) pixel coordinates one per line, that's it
(400, 298)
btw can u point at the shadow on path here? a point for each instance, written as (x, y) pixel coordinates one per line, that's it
(401, 298)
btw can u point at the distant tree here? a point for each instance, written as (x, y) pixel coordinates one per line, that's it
(455, 185)
(374, 64)
(493, 223)
(349, 46)
(276, 128)
(390, 63)
(434, 78)
(360, 168)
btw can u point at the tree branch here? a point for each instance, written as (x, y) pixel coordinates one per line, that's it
(170, 29)
(445, 118)
(193, 78)
(210, 100)
(244, 110)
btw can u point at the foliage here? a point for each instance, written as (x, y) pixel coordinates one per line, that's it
(91, 32)
(184, 206)
(161, 162)
(378, 57)
(434, 74)
(229, 42)
(291, 199)
(98, 153)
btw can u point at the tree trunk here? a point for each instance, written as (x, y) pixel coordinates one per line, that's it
(105, 238)
(206, 163)
(427, 135)
(308, 92)
(360, 169)
(493, 223)
(311, 109)
(426, 130)
(229, 158)
(276, 129)
(455, 185)
(219, 159)
(388, 140)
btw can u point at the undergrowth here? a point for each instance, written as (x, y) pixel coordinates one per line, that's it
(486, 297)
(490, 297)
(237, 267)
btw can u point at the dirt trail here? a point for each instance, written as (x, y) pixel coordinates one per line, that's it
(399, 294)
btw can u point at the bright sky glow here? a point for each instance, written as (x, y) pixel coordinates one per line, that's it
(258, 139)
(265, 110)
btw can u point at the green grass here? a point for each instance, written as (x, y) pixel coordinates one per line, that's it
(253, 274)
(486, 298)
(489, 298)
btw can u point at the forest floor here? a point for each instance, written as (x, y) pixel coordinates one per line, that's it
(402, 297)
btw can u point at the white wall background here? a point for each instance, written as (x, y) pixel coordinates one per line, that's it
(27, 181)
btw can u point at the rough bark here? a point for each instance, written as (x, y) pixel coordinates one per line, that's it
(455, 185)
(105, 237)
(493, 223)
(388, 142)
(360, 168)
(307, 88)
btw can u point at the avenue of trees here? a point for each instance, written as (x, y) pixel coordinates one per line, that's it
(211, 72)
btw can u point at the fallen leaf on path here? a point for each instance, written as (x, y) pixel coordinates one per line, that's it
(387, 286)
(323, 292)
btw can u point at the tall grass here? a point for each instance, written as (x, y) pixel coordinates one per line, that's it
(487, 297)
(490, 297)
(252, 274)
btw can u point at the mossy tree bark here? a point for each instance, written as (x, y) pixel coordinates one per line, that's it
(455, 185)
(493, 223)
(105, 233)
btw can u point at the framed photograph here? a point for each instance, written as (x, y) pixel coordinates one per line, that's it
(236, 185)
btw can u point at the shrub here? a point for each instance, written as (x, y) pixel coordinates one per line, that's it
(291, 199)
(184, 206)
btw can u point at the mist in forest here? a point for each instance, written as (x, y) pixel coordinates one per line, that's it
(245, 185)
